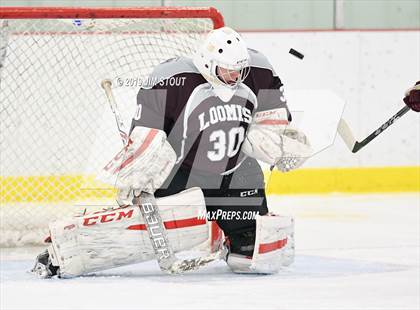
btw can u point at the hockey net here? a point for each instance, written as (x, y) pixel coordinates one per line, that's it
(56, 129)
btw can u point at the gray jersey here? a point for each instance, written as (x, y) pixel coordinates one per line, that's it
(205, 132)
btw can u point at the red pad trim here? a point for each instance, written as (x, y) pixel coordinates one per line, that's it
(149, 138)
(272, 246)
(274, 122)
(173, 224)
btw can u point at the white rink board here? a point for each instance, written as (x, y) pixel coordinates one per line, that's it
(353, 252)
(370, 71)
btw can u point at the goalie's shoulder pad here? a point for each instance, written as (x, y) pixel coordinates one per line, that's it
(259, 60)
(170, 68)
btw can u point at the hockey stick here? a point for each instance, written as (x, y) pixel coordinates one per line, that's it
(146, 202)
(355, 146)
(106, 85)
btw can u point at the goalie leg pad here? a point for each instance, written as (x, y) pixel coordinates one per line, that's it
(274, 247)
(119, 237)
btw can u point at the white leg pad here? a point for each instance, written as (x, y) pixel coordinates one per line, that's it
(118, 237)
(274, 247)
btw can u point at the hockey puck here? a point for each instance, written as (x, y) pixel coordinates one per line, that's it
(296, 53)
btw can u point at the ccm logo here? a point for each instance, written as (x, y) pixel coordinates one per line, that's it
(106, 218)
(249, 193)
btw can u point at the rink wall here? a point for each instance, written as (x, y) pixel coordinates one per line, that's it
(370, 71)
(302, 181)
(345, 180)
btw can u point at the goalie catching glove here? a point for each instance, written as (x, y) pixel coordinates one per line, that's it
(271, 140)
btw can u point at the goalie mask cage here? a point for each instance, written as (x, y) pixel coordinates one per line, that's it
(56, 128)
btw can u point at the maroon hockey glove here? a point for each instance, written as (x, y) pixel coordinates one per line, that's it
(412, 97)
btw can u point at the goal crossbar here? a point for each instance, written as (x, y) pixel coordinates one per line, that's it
(139, 12)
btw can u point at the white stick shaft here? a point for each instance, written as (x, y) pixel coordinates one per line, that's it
(107, 86)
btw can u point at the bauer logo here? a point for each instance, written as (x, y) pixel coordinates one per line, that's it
(156, 231)
(107, 217)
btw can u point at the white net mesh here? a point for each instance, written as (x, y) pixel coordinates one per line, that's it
(56, 129)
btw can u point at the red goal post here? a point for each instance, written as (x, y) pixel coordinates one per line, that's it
(56, 129)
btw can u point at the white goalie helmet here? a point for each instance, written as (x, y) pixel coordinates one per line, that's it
(223, 60)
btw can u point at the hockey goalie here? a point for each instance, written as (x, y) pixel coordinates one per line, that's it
(196, 148)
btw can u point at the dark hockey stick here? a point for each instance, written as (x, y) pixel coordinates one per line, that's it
(354, 145)
(146, 202)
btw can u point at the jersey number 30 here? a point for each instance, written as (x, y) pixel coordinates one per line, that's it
(226, 144)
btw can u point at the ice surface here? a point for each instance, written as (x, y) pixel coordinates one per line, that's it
(352, 252)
